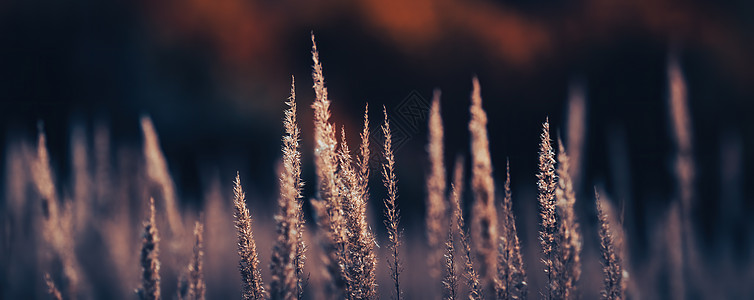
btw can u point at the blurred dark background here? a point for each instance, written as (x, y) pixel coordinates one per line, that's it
(213, 75)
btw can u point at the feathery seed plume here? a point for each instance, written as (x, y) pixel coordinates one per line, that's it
(472, 277)
(484, 223)
(251, 275)
(150, 262)
(511, 277)
(614, 286)
(569, 240)
(328, 206)
(286, 275)
(392, 213)
(546, 184)
(157, 170)
(435, 202)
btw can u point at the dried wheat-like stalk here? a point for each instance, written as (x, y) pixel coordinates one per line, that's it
(363, 186)
(611, 261)
(328, 208)
(472, 277)
(363, 159)
(57, 225)
(285, 265)
(568, 262)
(547, 235)
(577, 114)
(197, 287)
(392, 214)
(52, 289)
(450, 279)
(150, 262)
(360, 261)
(511, 277)
(484, 223)
(157, 170)
(685, 172)
(192, 286)
(251, 275)
(42, 178)
(436, 208)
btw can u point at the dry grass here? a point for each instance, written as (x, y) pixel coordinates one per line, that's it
(548, 230)
(57, 225)
(484, 224)
(491, 254)
(392, 214)
(436, 215)
(192, 286)
(287, 258)
(328, 207)
(361, 260)
(472, 276)
(52, 289)
(612, 268)
(568, 262)
(251, 275)
(150, 258)
(197, 287)
(450, 279)
(157, 170)
(511, 275)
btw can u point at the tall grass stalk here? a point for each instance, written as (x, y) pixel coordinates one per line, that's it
(548, 230)
(569, 240)
(484, 224)
(436, 208)
(392, 213)
(251, 275)
(286, 278)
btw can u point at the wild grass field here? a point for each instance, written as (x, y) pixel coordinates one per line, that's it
(119, 229)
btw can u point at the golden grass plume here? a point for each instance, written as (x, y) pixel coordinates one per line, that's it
(392, 213)
(436, 212)
(568, 260)
(484, 224)
(251, 275)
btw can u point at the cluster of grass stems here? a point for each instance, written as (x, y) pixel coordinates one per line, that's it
(483, 259)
